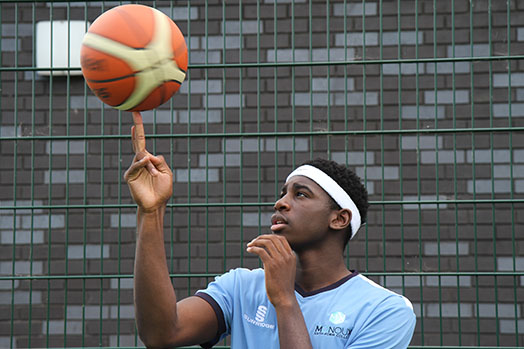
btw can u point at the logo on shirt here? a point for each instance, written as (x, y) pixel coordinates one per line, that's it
(260, 317)
(335, 318)
(261, 313)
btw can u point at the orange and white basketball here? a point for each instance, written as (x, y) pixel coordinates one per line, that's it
(134, 57)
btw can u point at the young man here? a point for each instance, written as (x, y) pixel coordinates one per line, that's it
(304, 297)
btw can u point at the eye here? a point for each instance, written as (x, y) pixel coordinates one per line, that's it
(301, 193)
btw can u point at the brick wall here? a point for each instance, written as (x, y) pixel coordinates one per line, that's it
(435, 135)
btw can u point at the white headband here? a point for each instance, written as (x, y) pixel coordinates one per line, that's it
(333, 189)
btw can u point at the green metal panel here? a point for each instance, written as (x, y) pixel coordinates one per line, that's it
(423, 98)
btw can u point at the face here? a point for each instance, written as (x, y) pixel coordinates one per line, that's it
(303, 212)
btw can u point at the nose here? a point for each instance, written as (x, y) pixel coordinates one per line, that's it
(281, 204)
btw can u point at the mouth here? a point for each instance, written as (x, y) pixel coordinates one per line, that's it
(278, 222)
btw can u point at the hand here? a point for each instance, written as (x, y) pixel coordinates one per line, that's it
(149, 178)
(280, 263)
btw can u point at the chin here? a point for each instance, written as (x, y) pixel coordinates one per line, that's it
(282, 233)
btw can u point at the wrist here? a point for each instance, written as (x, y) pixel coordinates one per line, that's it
(151, 211)
(150, 222)
(286, 304)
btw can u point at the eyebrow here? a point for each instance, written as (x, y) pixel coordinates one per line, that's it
(296, 186)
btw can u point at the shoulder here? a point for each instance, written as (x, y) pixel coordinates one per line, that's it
(380, 296)
(241, 274)
(384, 319)
(237, 279)
(368, 286)
(236, 285)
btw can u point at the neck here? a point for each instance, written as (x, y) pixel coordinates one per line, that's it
(315, 270)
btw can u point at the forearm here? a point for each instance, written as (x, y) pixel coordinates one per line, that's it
(155, 299)
(292, 330)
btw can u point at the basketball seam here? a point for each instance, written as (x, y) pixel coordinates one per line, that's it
(113, 79)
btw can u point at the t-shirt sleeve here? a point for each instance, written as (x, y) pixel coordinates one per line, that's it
(391, 325)
(219, 294)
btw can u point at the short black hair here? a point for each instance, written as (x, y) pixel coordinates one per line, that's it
(349, 181)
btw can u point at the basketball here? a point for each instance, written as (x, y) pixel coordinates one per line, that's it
(134, 57)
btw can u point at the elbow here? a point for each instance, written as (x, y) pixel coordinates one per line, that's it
(157, 343)
(157, 340)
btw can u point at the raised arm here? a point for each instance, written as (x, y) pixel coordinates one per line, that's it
(161, 321)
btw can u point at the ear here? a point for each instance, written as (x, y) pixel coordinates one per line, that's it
(340, 219)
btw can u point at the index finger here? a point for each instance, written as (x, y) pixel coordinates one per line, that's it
(139, 136)
(272, 243)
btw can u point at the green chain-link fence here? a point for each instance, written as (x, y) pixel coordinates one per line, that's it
(424, 99)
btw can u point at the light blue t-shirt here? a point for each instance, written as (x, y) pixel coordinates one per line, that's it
(352, 313)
